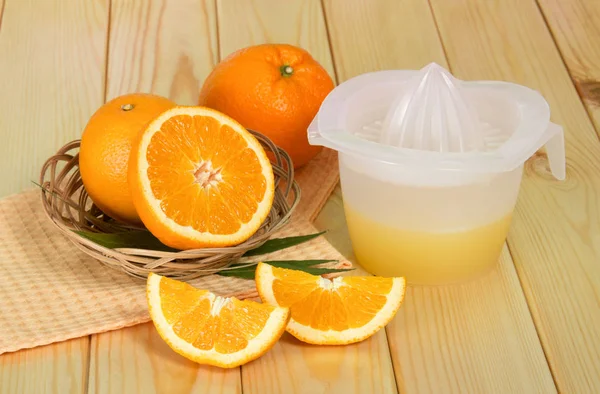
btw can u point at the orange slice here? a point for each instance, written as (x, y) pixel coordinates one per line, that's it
(209, 329)
(331, 312)
(200, 179)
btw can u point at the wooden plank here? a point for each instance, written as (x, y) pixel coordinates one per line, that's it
(291, 366)
(574, 25)
(294, 367)
(163, 47)
(51, 77)
(51, 72)
(388, 35)
(167, 48)
(137, 360)
(478, 337)
(60, 368)
(1, 12)
(297, 22)
(555, 238)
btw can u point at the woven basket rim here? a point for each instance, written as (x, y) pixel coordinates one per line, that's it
(69, 207)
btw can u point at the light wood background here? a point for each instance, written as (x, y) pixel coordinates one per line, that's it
(531, 326)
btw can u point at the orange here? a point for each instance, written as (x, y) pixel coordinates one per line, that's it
(209, 329)
(105, 147)
(275, 89)
(199, 179)
(331, 312)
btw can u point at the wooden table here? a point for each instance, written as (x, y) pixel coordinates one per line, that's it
(531, 326)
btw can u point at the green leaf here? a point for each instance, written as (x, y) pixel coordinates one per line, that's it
(143, 239)
(276, 244)
(247, 272)
(241, 273)
(138, 239)
(296, 264)
(48, 191)
(321, 271)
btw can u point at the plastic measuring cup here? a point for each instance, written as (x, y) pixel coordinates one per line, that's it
(431, 167)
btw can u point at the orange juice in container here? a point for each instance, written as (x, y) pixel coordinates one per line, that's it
(431, 167)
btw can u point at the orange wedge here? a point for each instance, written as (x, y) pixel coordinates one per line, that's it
(209, 329)
(199, 179)
(331, 312)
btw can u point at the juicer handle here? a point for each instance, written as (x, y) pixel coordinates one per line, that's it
(555, 149)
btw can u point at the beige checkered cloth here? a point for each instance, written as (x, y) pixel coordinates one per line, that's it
(51, 291)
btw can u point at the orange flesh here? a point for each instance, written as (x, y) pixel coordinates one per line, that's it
(351, 305)
(188, 310)
(208, 179)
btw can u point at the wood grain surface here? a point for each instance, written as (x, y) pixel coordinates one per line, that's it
(296, 22)
(162, 47)
(60, 368)
(575, 26)
(555, 237)
(54, 75)
(388, 35)
(137, 360)
(1, 12)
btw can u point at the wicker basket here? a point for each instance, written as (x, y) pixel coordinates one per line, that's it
(70, 208)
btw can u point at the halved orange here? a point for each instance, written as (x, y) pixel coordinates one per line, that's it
(200, 179)
(209, 329)
(335, 311)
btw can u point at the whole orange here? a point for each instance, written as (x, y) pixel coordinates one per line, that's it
(105, 147)
(275, 89)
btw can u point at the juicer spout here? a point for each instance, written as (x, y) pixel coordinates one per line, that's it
(314, 135)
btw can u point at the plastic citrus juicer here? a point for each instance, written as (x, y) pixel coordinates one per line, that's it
(431, 167)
